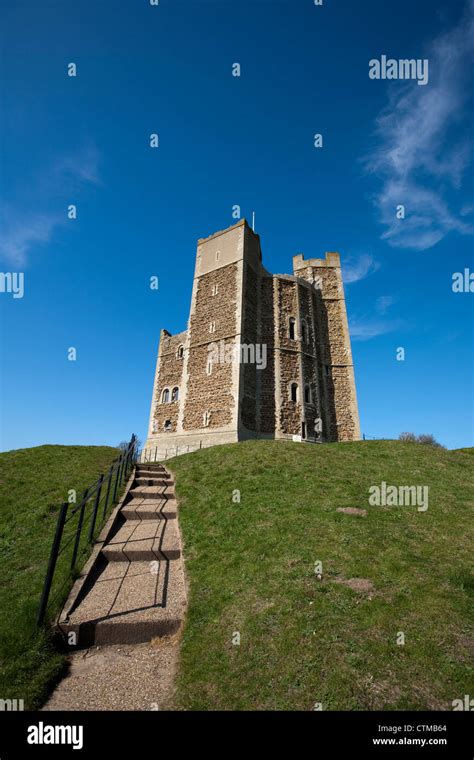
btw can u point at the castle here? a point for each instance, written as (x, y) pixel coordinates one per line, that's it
(264, 356)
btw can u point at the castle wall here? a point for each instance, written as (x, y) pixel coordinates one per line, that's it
(169, 375)
(215, 304)
(336, 366)
(267, 389)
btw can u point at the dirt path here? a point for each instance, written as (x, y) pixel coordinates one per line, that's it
(119, 677)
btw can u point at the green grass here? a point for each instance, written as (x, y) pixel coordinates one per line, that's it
(304, 641)
(33, 483)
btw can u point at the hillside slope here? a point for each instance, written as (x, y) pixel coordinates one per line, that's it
(33, 483)
(303, 641)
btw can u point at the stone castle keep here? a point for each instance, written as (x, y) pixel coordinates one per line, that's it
(295, 375)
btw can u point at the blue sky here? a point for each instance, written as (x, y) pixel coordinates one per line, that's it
(228, 140)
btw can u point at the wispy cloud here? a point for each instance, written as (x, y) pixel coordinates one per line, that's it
(365, 329)
(383, 303)
(424, 149)
(358, 268)
(21, 231)
(23, 227)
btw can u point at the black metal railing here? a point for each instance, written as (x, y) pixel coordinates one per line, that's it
(79, 524)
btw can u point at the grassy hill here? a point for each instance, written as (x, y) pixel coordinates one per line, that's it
(33, 483)
(251, 569)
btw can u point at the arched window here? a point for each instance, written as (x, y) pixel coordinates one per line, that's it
(165, 396)
(304, 332)
(218, 255)
(292, 328)
(180, 352)
(167, 426)
(294, 391)
(175, 394)
(307, 394)
(209, 367)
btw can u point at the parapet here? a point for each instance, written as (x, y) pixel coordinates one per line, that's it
(332, 260)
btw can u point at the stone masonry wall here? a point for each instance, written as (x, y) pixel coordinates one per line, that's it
(248, 409)
(266, 377)
(338, 399)
(216, 305)
(169, 376)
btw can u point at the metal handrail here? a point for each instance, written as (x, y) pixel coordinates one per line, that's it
(118, 471)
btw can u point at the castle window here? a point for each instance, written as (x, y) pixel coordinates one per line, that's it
(292, 328)
(175, 394)
(303, 430)
(180, 352)
(327, 370)
(218, 255)
(212, 327)
(206, 418)
(165, 396)
(167, 426)
(294, 391)
(307, 394)
(209, 368)
(215, 290)
(304, 332)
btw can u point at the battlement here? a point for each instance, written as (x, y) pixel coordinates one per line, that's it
(332, 260)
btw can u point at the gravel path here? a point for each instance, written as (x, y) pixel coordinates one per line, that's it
(119, 677)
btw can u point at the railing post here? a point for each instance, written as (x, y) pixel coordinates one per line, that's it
(109, 476)
(96, 507)
(122, 468)
(52, 563)
(116, 484)
(79, 528)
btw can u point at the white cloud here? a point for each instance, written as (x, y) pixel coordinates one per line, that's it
(417, 157)
(365, 329)
(358, 268)
(21, 231)
(22, 228)
(383, 303)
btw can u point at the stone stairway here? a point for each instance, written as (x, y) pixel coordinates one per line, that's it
(135, 589)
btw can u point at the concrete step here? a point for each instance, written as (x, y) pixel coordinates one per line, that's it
(145, 470)
(151, 480)
(144, 540)
(150, 467)
(148, 509)
(153, 492)
(130, 602)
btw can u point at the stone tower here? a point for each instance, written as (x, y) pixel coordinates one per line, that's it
(264, 356)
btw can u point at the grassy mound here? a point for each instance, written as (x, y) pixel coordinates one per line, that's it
(304, 640)
(33, 483)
